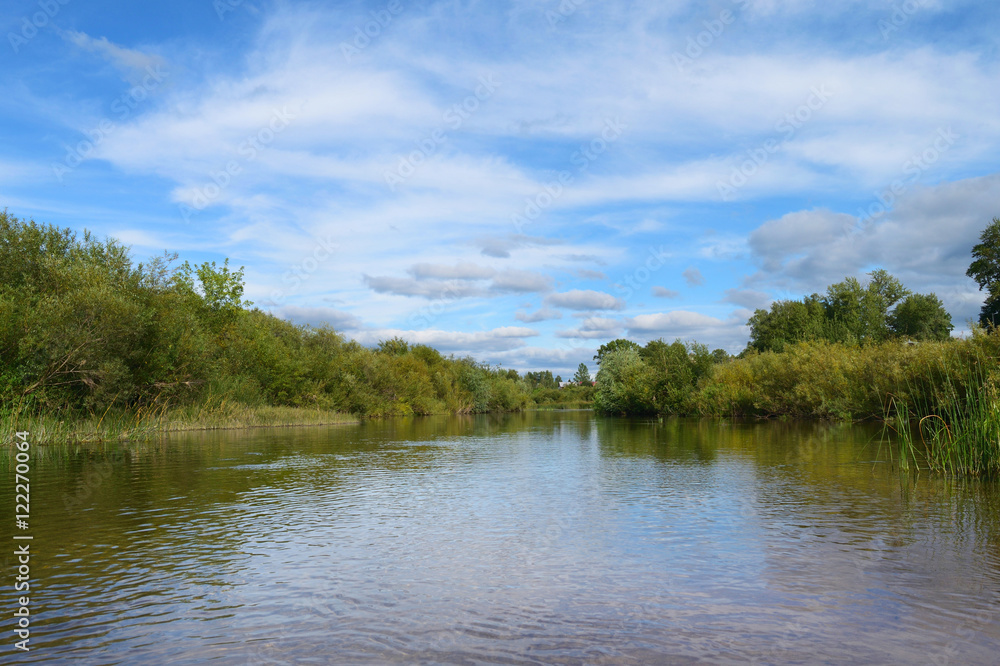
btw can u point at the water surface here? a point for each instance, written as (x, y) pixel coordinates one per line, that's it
(547, 537)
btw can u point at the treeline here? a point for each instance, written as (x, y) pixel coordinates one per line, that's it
(83, 331)
(837, 355)
(852, 314)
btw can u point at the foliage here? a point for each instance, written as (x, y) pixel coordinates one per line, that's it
(582, 375)
(851, 313)
(622, 383)
(614, 345)
(659, 378)
(921, 317)
(83, 331)
(786, 323)
(541, 379)
(985, 270)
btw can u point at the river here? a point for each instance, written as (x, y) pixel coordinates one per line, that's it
(536, 538)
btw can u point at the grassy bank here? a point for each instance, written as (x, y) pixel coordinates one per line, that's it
(93, 345)
(942, 399)
(116, 425)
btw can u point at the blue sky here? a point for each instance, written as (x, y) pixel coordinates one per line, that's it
(521, 181)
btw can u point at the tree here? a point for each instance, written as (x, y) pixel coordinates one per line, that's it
(860, 315)
(985, 270)
(921, 317)
(720, 356)
(396, 346)
(787, 322)
(614, 345)
(622, 383)
(582, 375)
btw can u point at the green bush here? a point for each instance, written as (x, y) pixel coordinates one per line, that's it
(82, 330)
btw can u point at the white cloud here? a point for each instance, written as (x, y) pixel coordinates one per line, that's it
(542, 314)
(466, 271)
(579, 299)
(132, 62)
(693, 277)
(499, 339)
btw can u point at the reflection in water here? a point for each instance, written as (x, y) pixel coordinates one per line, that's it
(546, 537)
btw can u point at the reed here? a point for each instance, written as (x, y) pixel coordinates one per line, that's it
(119, 425)
(951, 412)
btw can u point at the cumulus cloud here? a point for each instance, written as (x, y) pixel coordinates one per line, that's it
(729, 333)
(521, 281)
(925, 241)
(464, 271)
(543, 314)
(747, 298)
(693, 277)
(429, 289)
(663, 292)
(439, 281)
(316, 316)
(580, 299)
(501, 247)
(593, 328)
(499, 339)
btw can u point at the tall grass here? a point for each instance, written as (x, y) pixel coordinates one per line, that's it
(940, 401)
(118, 425)
(958, 422)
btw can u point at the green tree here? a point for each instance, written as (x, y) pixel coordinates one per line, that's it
(614, 345)
(787, 322)
(857, 314)
(622, 383)
(396, 346)
(985, 270)
(582, 375)
(720, 356)
(921, 317)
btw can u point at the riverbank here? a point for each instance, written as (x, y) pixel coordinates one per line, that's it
(942, 398)
(120, 426)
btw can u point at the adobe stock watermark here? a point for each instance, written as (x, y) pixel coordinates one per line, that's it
(223, 7)
(303, 270)
(901, 15)
(787, 127)
(248, 150)
(454, 117)
(31, 26)
(643, 273)
(363, 35)
(566, 9)
(122, 107)
(588, 153)
(698, 44)
(913, 168)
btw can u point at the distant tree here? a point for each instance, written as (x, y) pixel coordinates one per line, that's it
(394, 346)
(541, 379)
(720, 356)
(512, 374)
(582, 375)
(614, 345)
(985, 270)
(921, 317)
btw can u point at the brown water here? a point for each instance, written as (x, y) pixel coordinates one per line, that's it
(540, 538)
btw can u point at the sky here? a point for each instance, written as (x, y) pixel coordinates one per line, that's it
(520, 181)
